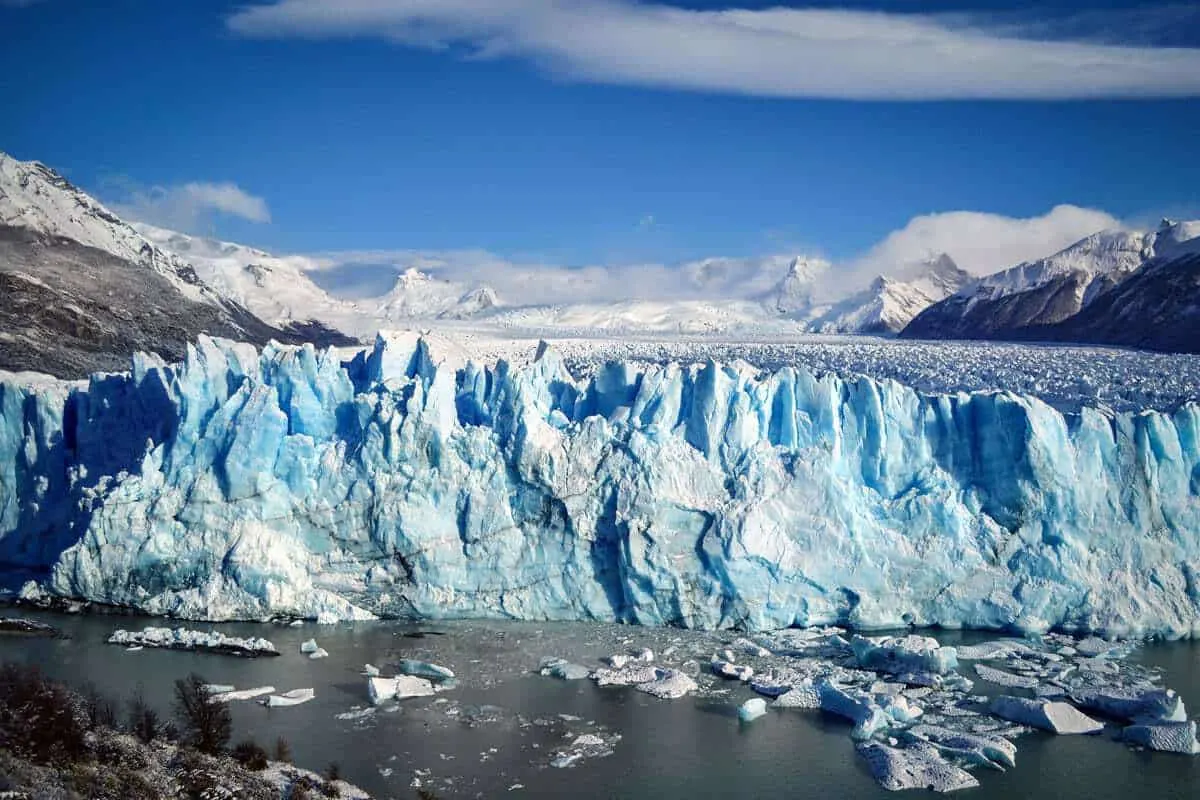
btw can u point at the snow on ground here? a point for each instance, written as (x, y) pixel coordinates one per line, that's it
(1067, 377)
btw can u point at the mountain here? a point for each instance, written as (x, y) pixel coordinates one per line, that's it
(795, 291)
(1023, 301)
(83, 290)
(275, 288)
(419, 295)
(889, 304)
(1155, 308)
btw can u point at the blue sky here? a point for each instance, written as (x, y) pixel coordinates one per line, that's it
(609, 132)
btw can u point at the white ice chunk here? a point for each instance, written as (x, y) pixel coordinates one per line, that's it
(1169, 737)
(1002, 678)
(293, 698)
(1053, 716)
(752, 709)
(671, 684)
(231, 694)
(309, 646)
(914, 767)
(320, 652)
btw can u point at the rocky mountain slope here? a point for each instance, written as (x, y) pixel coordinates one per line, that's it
(83, 290)
(1112, 287)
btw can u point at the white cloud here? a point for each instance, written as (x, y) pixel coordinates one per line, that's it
(979, 242)
(186, 207)
(778, 52)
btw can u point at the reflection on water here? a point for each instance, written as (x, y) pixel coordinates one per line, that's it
(499, 729)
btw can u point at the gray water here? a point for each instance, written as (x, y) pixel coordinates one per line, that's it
(499, 727)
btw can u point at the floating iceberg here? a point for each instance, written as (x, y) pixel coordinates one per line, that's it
(563, 670)
(671, 684)
(1133, 704)
(1056, 717)
(904, 654)
(423, 669)
(914, 767)
(381, 690)
(309, 646)
(752, 709)
(231, 694)
(292, 698)
(245, 484)
(184, 639)
(1168, 737)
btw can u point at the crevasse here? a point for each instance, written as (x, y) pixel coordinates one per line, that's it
(241, 484)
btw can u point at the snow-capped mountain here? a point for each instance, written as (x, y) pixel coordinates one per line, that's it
(1031, 299)
(419, 295)
(37, 199)
(796, 290)
(889, 304)
(83, 290)
(277, 289)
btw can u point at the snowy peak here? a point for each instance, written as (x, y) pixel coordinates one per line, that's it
(890, 303)
(417, 294)
(1174, 239)
(274, 288)
(1113, 253)
(38, 199)
(794, 292)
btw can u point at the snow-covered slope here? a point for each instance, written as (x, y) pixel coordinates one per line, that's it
(889, 304)
(419, 295)
(246, 484)
(277, 289)
(82, 290)
(1030, 299)
(798, 287)
(34, 197)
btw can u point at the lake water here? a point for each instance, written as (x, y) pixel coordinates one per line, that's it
(499, 727)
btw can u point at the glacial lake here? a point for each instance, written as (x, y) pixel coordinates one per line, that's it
(499, 728)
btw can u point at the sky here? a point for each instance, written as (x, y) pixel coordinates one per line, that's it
(586, 132)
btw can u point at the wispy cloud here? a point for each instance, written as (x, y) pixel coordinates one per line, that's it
(187, 207)
(979, 242)
(781, 52)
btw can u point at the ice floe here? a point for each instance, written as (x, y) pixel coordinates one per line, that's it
(184, 639)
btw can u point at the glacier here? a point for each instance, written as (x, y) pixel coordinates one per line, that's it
(247, 484)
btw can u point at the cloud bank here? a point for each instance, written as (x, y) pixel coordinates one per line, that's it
(776, 52)
(980, 243)
(186, 207)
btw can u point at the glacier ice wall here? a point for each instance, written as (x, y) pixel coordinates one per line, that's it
(241, 484)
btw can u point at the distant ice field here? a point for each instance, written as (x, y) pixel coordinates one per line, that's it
(1066, 377)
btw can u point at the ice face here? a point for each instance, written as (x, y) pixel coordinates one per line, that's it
(246, 484)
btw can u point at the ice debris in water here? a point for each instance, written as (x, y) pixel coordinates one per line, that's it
(231, 694)
(184, 639)
(563, 670)
(587, 745)
(1049, 715)
(308, 646)
(370, 670)
(1169, 737)
(752, 709)
(669, 685)
(423, 669)
(1002, 678)
(914, 767)
(292, 698)
(400, 687)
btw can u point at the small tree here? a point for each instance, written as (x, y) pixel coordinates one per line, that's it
(144, 722)
(250, 755)
(207, 725)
